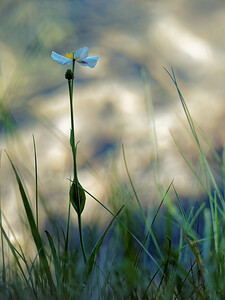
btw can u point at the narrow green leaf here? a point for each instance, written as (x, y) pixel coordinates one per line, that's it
(34, 230)
(2, 241)
(67, 231)
(138, 255)
(207, 170)
(128, 230)
(54, 255)
(216, 225)
(92, 258)
(36, 181)
(14, 253)
(140, 207)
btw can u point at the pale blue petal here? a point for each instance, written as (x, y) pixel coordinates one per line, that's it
(89, 61)
(81, 53)
(61, 59)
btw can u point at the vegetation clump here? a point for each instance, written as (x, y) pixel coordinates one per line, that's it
(173, 251)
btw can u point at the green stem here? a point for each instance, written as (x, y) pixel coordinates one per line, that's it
(81, 238)
(72, 133)
(74, 152)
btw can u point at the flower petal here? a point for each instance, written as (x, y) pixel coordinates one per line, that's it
(89, 61)
(81, 53)
(61, 59)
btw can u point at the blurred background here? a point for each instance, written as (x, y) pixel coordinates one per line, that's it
(128, 98)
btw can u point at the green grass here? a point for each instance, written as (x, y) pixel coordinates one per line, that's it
(173, 251)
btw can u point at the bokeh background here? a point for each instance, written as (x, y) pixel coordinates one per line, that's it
(126, 99)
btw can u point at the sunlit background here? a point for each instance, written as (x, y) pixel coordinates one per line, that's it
(128, 98)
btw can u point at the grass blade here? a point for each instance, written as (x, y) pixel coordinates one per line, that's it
(208, 173)
(34, 230)
(138, 255)
(36, 181)
(15, 254)
(2, 242)
(126, 228)
(54, 255)
(92, 258)
(140, 207)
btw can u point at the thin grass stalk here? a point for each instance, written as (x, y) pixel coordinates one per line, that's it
(22, 255)
(55, 258)
(138, 255)
(15, 255)
(165, 268)
(93, 256)
(126, 228)
(140, 206)
(2, 241)
(36, 181)
(199, 262)
(208, 173)
(207, 141)
(216, 230)
(67, 230)
(189, 221)
(144, 296)
(180, 247)
(205, 188)
(188, 163)
(3, 253)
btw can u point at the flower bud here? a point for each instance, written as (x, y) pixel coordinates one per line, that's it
(69, 74)
(77, 197)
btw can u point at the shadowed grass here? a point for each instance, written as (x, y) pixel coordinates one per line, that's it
(172, 251)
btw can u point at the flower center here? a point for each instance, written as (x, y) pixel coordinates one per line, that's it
(69, 55)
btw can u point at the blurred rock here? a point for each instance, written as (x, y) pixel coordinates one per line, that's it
(110, 103)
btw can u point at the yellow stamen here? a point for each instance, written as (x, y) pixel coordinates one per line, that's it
(69, 55)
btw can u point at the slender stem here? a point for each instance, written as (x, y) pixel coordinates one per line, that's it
(74, 152)
(81, 238)
(72, 133)
(67, 230)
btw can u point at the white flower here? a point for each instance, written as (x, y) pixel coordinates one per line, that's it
(80, 56)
